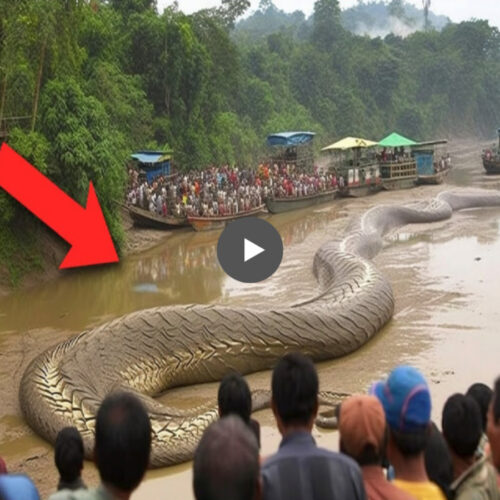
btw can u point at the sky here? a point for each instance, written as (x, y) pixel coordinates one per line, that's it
(456, 10)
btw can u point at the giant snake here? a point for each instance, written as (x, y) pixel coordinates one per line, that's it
(153, 350)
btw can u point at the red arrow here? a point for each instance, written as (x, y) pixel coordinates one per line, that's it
(84, 228)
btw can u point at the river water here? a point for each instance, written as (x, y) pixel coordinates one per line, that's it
(444, 277)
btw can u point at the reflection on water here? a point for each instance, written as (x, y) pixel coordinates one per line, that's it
(181, 270)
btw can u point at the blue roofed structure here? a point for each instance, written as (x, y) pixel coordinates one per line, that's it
(293, 149)
(290, 138)
(154, 163)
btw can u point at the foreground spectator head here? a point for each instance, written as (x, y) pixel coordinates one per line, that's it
(234, 397)
(69, 458)
(407, 405)
(226, 462)
(295, 392)
(493, 425)
(438, 464)
(461, 424)
(122, 441)
(406, 400)
(17, 487)
(482, 394)
(362, 429)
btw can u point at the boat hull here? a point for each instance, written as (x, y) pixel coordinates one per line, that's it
(359, 191)
(144, 218)
(492, 166)
(437, 178)
(395, 184)
(213, 223)
(281, 205)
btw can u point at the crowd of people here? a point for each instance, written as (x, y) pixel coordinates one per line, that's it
(223, 191)
(389, 447)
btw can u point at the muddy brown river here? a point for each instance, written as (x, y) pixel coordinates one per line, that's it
(445, 279)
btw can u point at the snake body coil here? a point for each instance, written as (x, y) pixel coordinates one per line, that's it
(153, 350)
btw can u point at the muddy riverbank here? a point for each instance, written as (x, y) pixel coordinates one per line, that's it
(445, 320)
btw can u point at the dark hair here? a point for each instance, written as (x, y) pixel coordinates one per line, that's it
(122, 441)
(368, 456)
(461, 424)
(68, 454)
(482, 394)
(234, 397)
(295, 389)
(412, 443)
(496, 401)
(226, 462)
(438, 462)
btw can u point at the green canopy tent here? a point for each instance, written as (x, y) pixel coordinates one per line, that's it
(396, 141)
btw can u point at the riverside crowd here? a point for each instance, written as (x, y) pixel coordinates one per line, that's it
(222, 191)
(389, 447)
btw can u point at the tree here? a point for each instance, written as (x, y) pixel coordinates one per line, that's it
(84, 147)
(232, 10)
(326, 23)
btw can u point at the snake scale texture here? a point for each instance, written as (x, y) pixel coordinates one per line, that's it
(151, 351)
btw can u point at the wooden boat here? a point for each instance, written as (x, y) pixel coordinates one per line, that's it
(145, 218)
(288, 203)
(491, 158)
(492, 165)
(433, 162)
(211, 223)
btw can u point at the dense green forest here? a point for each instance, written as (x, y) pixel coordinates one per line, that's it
(84, 83)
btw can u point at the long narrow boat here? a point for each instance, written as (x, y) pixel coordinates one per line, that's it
(492, 165)
(211, 223)
(145, 218)
(280, 205)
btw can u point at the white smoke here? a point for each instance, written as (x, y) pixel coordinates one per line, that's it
(394, 26)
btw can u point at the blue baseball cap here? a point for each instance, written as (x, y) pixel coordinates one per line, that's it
(406, 399)
(17, 487)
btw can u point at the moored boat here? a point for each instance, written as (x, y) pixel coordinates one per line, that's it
(397, 168)
(212, 223)
(288, 203)
(433, 163)
(354, 164)
(492, 165)
(491, 159)
(145, 218)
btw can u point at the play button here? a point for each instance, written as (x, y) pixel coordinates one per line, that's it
(250, 250)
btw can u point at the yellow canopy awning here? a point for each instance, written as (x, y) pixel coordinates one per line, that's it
(350, 143)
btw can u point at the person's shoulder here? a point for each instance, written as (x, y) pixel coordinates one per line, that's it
(427, 490)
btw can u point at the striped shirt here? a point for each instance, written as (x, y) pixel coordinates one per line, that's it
(302, 471)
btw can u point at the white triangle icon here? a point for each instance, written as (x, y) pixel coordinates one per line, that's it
(251, 250)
